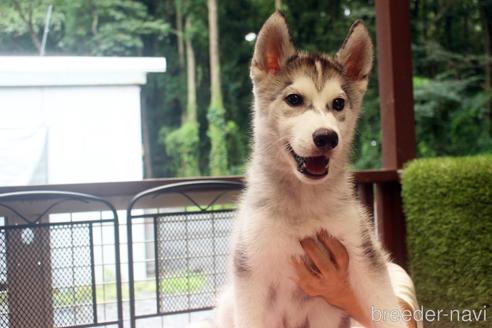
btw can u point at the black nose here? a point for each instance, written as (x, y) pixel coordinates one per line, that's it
(325, 139)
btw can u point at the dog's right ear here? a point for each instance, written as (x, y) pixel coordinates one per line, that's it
(273, 46)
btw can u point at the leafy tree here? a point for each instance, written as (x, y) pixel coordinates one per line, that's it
(22, 23)
(182, 144)
(116, 26)
(102, 27)
(452, 68)
(216, 110)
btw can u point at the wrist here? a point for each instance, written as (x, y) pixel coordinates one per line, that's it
(352, 307)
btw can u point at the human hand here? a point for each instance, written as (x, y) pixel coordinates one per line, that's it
(323, 272)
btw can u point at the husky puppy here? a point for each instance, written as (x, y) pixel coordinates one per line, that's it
(306, 108)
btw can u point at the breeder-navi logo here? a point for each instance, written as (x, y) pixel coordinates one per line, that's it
(429, 315)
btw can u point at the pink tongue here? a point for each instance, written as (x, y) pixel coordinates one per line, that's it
(316, 165)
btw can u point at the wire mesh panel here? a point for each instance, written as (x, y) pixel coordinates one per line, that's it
(192, 258)
(178, 254)
(48, 263)
(4, 306)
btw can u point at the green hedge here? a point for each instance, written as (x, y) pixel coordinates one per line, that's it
(448, 206)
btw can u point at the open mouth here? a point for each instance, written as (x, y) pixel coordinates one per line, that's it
(314, 167)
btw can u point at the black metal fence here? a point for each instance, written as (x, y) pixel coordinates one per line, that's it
(189, 248)
(59, 268)
(60, 256)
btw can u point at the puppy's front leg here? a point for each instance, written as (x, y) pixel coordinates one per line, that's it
(371, 281)
(249, 296)
(250, 307)
(379, 300)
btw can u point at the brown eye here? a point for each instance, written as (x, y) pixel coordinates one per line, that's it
(294, 100)
(338, 104)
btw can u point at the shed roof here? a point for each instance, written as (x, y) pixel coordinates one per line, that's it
(72, 71)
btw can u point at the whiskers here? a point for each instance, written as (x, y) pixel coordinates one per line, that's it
(275, 145)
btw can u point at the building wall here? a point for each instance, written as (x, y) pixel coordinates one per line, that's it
(70, 134)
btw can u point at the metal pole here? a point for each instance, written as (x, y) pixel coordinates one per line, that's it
(131, 279)
(46, 30)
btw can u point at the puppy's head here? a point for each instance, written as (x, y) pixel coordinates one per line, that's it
(307, 105)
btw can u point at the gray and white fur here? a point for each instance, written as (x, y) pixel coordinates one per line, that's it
(285, 201)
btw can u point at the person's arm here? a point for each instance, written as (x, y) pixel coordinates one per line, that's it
(324, 273)
(405, 291)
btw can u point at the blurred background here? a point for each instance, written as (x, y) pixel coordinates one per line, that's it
(195, 117)
(121, 90)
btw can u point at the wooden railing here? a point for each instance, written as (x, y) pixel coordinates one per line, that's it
(378, 190)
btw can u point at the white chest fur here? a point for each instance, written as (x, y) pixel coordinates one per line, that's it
(268, 239)
(263, 293)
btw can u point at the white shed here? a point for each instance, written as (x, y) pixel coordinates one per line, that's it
(71, 119)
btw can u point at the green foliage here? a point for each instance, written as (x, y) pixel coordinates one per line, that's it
(451, 116)
(453, 102)
(448, 207)
(102, 27)
(191, 283)
(116, 27)
(453, 107)
(183, 283)
(237, 148)
(17, 20)
(182, 148)
(71, 297)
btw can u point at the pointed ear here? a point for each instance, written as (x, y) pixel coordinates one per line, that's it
(273, 46)
(356, 53)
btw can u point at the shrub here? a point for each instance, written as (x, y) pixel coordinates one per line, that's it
(448, 207)
(182, 148)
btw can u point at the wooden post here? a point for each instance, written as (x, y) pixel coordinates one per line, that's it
(390, 221)
(397, 118)
(395, 82)
(30, 294)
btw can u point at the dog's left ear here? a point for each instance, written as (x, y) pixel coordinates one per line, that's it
(356, 53)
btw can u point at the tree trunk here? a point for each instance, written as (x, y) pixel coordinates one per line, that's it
(486, 15)
(216, 93)
(278, 4)
(191, 107)
(179, 30)
(27, 19)
(147, 151)
(425, 19)
(216, 129)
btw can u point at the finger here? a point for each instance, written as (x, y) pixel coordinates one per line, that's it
(316, 254)
(303, 269)
(306, 279)
(336, 249)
